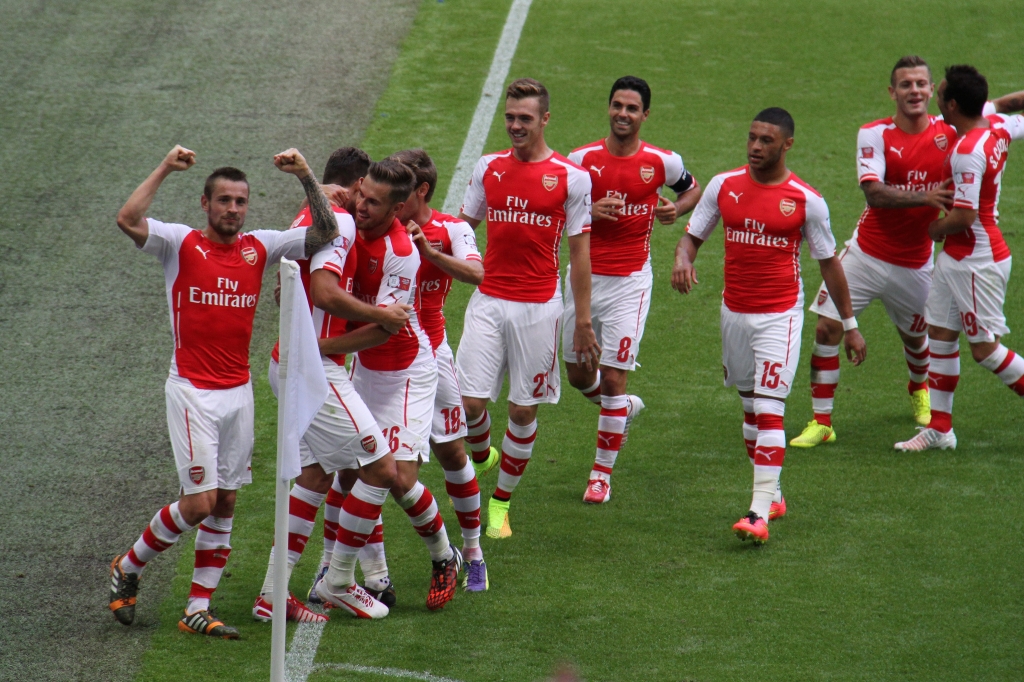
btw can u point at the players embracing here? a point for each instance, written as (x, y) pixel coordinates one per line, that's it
(627, 175)
(766, 213)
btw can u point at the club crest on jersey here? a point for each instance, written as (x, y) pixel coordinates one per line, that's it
(250, 255)
(372, 266)
(822, 295)
(787, 206)
(941, 141)
(396, 282)
(549, 181)
(646, 173)
(197, 474)
(369, 444)
(868, 152)
(437, 245)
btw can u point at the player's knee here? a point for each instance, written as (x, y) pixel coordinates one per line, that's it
(828, 332)
(980, 351)
(380, 474)
(613, 381)
(523, 415)
(474, 408)
(452, 454)
(579, 377)
(314, 478)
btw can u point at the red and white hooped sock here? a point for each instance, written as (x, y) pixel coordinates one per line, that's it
(303, 505)
(824, 379)
(332, 511)
(359, 514)
(213, 547)
(1008, 366)
(749, 427)
(917, 366)
(610, 427)
(593, 394)
(163, 530)
(421, 507)
(478, 437)
(516, 450)
(943, 376)
(462, 487)
(769, 454)
(372, 559)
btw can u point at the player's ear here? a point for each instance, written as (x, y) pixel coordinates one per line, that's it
(204, 202)
(788, 144)
(892, 93)
(545, 118)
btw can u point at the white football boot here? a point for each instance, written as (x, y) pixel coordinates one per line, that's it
(635, 405)
(354, 599)
(929, 439)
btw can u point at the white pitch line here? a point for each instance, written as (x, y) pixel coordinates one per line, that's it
(384, 672)
(298, 663)
(494, 86)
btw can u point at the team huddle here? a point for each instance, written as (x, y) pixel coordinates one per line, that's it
(377, 263)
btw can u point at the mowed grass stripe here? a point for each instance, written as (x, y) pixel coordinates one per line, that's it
(887, 567)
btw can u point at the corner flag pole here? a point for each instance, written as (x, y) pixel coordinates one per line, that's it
(289, 280)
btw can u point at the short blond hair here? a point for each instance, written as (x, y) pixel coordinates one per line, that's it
(524, 88)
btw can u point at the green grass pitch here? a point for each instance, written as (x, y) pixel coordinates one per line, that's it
(887, 567)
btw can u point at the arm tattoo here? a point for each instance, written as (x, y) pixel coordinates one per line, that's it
(324, 228)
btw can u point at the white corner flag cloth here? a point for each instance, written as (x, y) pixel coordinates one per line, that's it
(300, 372)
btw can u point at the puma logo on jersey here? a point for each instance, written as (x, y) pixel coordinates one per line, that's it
(897, 152)
(202, 252)
(498, 175)
(597, 170)
(736, 196)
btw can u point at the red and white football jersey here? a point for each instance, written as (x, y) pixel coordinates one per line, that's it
(764, 225)
(212, 292)
(621, 247)
(908, 162)
(326, 324)
(453, 237)
(385, 274)
(976, 166)
(912, 163)
(527, 207)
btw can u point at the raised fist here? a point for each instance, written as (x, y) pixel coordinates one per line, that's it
(180, 159)
(291, 161)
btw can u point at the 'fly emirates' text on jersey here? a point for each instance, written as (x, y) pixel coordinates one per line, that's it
(453, 237)
(908, 162)
(976, 165)
(764, 225)
(619, 248)
(385, 274)
(324, 323)
(212, 292)
(527, 207)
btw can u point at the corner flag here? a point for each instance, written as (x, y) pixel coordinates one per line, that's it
(302, 390)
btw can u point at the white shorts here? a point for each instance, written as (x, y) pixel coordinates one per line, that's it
(969, 297)
(211, 435)
(760, 352)
(449, 421)
(521, 339)
(618, 310)
(903, 291)
(402, 402)
(343, 434)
